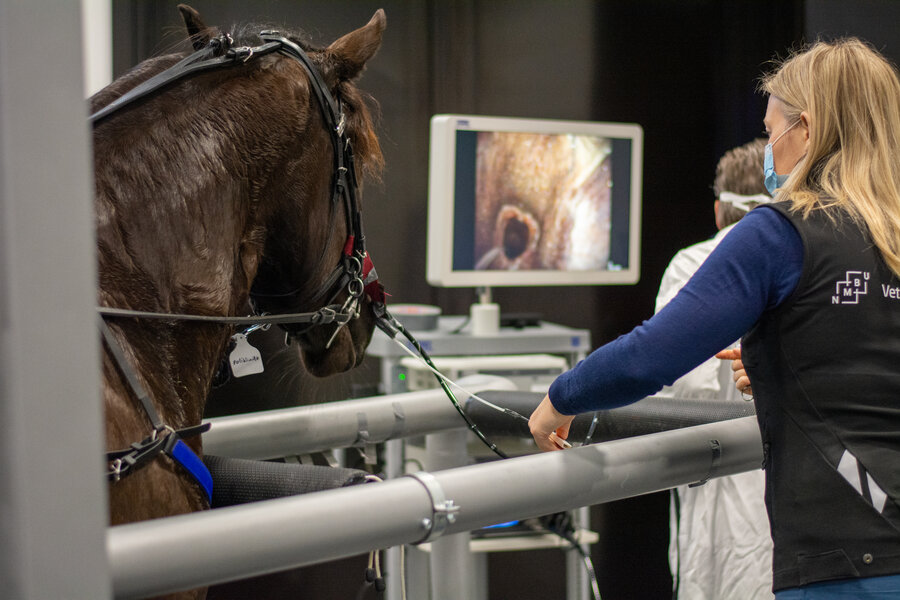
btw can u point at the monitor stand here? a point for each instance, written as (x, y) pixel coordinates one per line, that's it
(484, 315)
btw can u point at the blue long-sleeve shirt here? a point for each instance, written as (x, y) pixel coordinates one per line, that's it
(754, 269)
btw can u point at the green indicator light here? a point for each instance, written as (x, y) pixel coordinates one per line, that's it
(402, 376)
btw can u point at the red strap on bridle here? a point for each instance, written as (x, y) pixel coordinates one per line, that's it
(348, 247)
(371, 286)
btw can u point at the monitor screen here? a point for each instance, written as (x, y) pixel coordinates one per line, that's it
(525, 202)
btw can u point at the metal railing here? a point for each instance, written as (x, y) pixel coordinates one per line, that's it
(182, 552)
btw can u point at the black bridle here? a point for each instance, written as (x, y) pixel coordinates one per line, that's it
(354, 273)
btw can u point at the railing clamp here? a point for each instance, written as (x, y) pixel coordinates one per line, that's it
(443, 511)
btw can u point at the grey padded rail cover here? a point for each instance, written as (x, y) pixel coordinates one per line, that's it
(650, 415)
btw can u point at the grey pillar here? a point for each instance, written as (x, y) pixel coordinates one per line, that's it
(52, 492)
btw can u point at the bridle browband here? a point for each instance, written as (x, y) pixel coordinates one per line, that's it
(355, 272)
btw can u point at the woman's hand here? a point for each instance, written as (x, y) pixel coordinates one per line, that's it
(741, 380)
(546, 423)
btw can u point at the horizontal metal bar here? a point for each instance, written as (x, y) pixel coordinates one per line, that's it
(182, 552)
(293, 431)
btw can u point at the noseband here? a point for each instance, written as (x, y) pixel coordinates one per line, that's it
(354, 273)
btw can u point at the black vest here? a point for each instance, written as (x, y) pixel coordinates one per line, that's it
(825, 370)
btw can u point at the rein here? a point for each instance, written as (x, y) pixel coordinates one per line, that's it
(355, 272)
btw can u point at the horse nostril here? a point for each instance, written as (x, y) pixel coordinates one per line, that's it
(515, 238)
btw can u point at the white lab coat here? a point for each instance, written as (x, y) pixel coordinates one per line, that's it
(720, 547)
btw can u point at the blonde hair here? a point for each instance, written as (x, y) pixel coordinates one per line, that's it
(851, 96)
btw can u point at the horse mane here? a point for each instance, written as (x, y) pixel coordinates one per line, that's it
(358, 106)
(132, 78)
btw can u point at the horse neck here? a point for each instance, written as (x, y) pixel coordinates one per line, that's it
(181, 233)
(148, 266)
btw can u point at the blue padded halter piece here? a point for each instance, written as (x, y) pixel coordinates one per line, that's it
(192, 463)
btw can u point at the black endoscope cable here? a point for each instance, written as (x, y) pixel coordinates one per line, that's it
(391, 326)
(561, 525)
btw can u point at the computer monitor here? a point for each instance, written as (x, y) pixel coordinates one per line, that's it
(533, 202)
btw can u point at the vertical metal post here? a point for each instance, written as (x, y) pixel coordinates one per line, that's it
(452, 567)
(577, 582)
(96, 27)
(393, 467)
(578, 585)
(52, 490)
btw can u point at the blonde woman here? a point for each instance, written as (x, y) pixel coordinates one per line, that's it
(812, 283)
(719, 542)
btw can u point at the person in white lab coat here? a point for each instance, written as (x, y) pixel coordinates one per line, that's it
(720, 546)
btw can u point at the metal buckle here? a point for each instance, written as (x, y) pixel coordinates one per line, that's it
(344, 316)
(355, 287)
(258, 326)
(115, 469)
(353, 266)
(324, 315)
(224, 40)
(243, 53)
(348, 312)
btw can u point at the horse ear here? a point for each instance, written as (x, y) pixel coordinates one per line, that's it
(196, 28)
(352, 51)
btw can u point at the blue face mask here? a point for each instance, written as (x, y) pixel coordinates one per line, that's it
(773, 180)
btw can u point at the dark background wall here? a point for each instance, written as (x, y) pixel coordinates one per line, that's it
(686, 71)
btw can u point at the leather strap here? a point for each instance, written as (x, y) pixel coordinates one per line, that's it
(323, 316)
(130, 376)
(202, 60)
(128, 460)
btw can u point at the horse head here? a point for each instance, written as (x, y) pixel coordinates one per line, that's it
(302, 247)
(314, 253)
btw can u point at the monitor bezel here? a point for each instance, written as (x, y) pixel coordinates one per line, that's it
(441, 198)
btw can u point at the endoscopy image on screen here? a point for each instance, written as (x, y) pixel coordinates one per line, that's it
(527, 201)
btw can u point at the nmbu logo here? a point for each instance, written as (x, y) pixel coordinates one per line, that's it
(849, 290)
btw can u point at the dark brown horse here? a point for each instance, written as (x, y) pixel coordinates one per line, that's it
(213, 185)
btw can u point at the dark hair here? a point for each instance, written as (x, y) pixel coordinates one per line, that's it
(740, 171)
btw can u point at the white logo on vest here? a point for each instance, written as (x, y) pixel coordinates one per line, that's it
(848, 291)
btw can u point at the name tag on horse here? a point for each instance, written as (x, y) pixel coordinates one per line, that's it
(244, 359)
